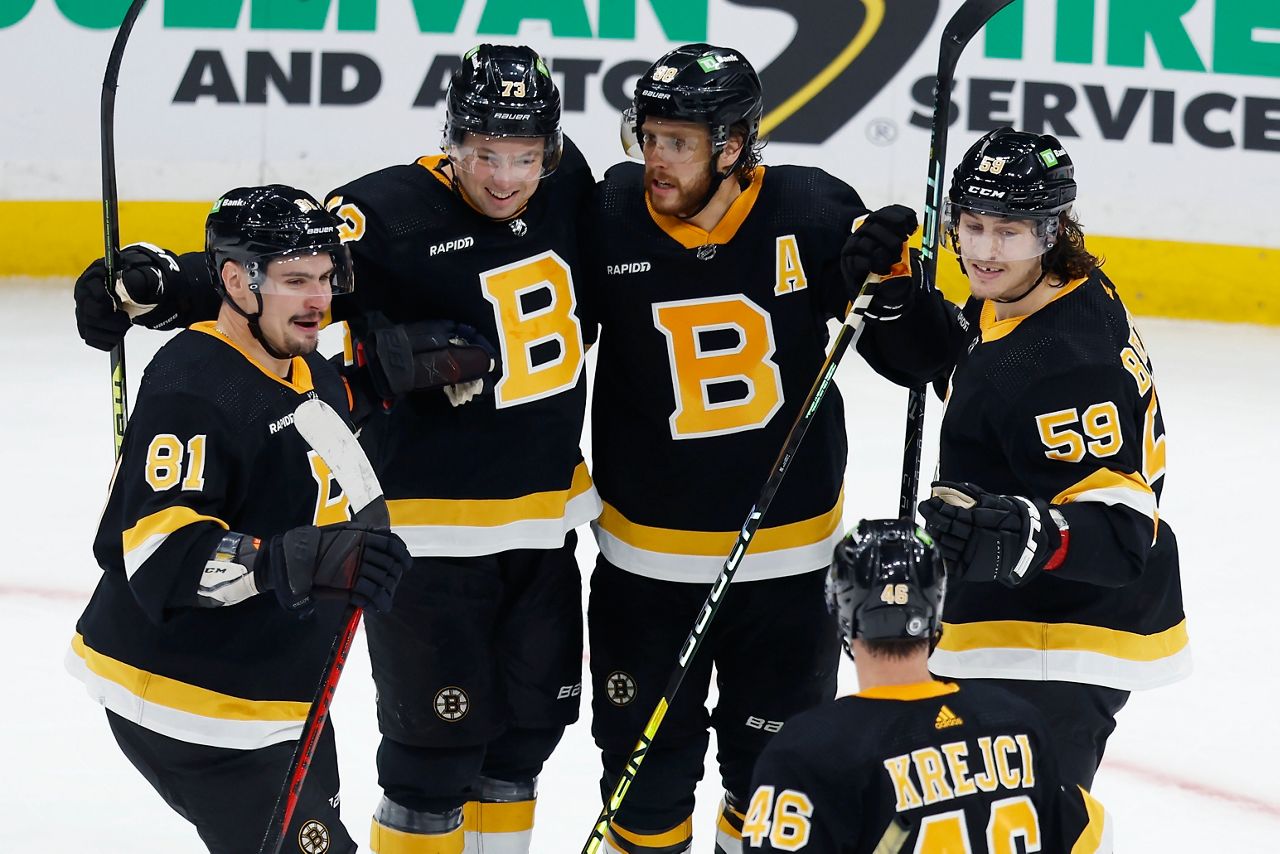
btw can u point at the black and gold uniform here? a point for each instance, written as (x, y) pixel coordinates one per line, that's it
(486, 636)
(1059, 405)
(928, 767)
(709, 343)
(208, 701)
(1055, 404)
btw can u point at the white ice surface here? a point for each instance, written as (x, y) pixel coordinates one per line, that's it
(1193, 767)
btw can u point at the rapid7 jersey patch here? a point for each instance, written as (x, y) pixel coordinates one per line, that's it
(720, 351)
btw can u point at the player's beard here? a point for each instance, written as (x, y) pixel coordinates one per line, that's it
(687, 199)
(299, 346)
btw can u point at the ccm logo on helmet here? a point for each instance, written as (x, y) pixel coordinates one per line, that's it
(630, 267)
(451, 245)
(986, 191)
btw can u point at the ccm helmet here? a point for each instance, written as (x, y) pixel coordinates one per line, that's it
(254, 226)
(502, 91)
(1015, 175)
(887, 582)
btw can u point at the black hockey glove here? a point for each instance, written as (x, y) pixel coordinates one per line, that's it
(336, 561)
(103, 314)
(879, 246)
(425, 355)
(989, 537)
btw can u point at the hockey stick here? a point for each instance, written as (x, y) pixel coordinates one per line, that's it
(111, 207)
(328, 435)
(964, 24)
(960, 30)
(849, 332)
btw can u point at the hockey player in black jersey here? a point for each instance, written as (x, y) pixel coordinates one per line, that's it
(227, 545)
(909, 763)
(478, 670)
(1052, 452)
(716, 278)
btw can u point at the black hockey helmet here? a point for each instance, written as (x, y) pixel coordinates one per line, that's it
(1010, 174)
(504, 91)
(715, 86)
(257, 225)
(887, 582)
(254, 226)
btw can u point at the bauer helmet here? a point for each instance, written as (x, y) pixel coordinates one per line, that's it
(1014, 175)
(715, 86)
(887, 582)
(502, 91)
(255, 226)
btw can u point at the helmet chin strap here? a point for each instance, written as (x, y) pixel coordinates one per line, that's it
(717, 178)
(255, 327)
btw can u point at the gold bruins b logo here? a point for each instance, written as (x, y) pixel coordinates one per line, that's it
(313, 837)
(452, 704)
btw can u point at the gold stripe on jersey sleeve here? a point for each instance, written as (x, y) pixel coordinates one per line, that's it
(690, 236)
(174, 694)
(163, 523)
(682, 832)
(488, 512)
(994, 330)
(717, 543)
(1107, 486)
(1093, 834)
(917, 691)
(299, 374)
(494, 817)
(1017, 634)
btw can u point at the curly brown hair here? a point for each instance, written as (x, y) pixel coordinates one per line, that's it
(1069, 259)
(750, 157)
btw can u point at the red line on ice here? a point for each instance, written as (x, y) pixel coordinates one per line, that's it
(1164, 778)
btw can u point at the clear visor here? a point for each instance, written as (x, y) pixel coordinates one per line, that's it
(979, 236)
(657, 141)
(307, 273)
(517, 158)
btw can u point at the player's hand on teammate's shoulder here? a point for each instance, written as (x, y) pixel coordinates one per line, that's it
(985, 536)
(878, 246)
(104, 312)
(335, 561)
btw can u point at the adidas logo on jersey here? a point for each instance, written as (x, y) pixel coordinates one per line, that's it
(946, 718)
(630, 267)
(452, 245)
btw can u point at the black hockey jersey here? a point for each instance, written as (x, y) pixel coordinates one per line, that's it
(211, 447)
(1059, 405)
(505, 470)
(930, 767)
(709, 343)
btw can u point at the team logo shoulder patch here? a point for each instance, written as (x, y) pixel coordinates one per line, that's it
(452, 704)
(620, 688)
(947, 719)
(313, 837)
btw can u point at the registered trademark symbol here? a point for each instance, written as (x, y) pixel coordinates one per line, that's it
(882, 131)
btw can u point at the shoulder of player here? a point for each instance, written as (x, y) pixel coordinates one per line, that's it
(829, 203)
(188, 373)
(572, 161)
(385, 190)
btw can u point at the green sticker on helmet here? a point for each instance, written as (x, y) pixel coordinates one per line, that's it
(542, 67)
(1049, 158)
(923, 536)
(217, 206)
(470, 53)
(710, 62)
